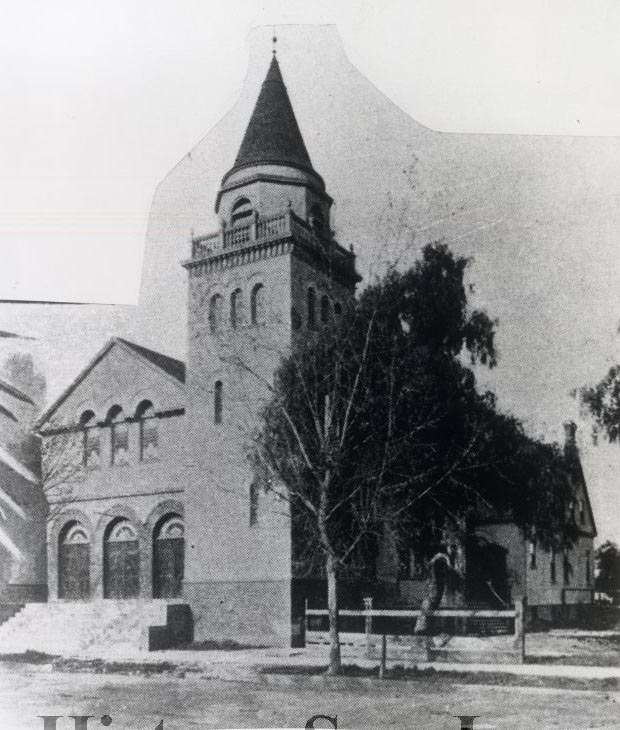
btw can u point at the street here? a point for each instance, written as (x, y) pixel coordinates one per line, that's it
(141, 703)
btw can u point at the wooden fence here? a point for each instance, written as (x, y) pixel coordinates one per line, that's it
(407, 645)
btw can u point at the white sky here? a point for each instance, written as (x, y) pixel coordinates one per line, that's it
(100, 100)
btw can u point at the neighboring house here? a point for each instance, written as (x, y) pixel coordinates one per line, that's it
(555, 583)
(23, 512)
(499, 562)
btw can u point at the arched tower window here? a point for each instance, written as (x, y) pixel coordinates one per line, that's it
(91, 446)
(119, 436)
(253, 503)
(257, 304)
(236, 308)
(215, 313)
(218, 401)
(324, 309)
(148, 431)
(242, 211)
(311, 307)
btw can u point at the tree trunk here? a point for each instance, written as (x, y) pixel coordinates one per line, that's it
(434, 592)
(335, 664)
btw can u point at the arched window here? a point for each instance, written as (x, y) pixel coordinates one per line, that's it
(311, 307)
(91, 447)
(119, 436)
(324, 309)
(241, 211)
(316, 219)
(236, 308)
(337, 309)
(218, 401)
(122, 531)
(121, 560)
(257, 304)
(148, 431)
(168, 557)
(215, 313)
(73, 562)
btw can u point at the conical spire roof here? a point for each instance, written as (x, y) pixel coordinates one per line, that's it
(273, 135)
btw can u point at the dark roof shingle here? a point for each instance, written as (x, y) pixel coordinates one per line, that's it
(273, 135)
(173, 367)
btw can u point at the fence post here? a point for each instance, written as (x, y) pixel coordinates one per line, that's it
(519, 641)
(305, 622)
(368, 625)
(383, 656)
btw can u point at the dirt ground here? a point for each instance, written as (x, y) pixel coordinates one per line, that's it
(597, 649)
(140, 703)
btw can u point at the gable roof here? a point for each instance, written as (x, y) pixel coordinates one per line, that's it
(579, 473)
(169, 365)
(273, 135)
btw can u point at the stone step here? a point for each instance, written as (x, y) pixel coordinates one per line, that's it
(68, 627)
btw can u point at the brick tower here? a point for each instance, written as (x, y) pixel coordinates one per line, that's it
(270, 273)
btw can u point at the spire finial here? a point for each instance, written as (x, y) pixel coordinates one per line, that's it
(274, 40)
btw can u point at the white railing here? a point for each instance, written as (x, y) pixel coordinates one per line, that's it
(371, 640)
(263, 230)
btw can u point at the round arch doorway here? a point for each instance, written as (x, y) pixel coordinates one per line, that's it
(168, 557)
(73, 562)
(121, 560)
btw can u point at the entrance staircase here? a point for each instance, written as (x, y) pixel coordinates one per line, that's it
(91, 627)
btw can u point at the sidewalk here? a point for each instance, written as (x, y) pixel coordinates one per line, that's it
(291, 666)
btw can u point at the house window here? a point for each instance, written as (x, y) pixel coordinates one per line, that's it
(552, 566)
(337, 309)
(215, 313)
(257, 304)
(91, 447)
(235, 309)
(324, 309)
(566, 567)
(119, 436)
(582, 511)
(148, 431)
(253, 503)
(311, 307)
(218, 401)
(588, 576)
(532, 552)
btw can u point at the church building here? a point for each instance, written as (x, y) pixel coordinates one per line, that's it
(153, 502)
(145, 459)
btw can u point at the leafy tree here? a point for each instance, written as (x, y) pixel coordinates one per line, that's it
(602, 401)
(376, 422)
(608, 567)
